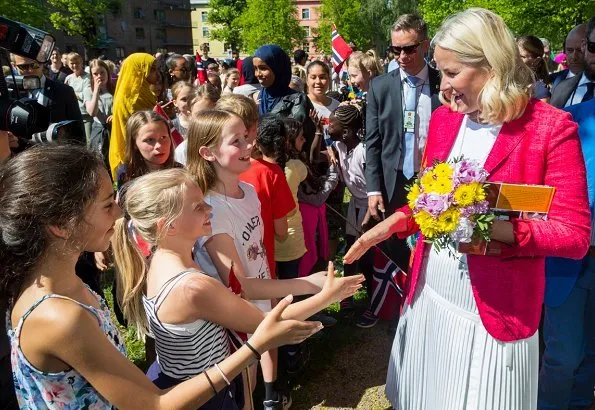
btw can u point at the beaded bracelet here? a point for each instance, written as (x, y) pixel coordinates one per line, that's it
(253, 350)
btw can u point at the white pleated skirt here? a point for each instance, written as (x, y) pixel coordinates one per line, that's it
(442, 356)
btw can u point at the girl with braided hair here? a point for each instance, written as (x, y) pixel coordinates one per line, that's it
(345, 129)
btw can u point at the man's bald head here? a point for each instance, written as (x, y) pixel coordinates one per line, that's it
(574, 48)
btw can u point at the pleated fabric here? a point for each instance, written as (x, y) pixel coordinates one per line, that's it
(443, 358)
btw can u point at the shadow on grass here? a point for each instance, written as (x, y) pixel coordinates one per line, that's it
(347, 368)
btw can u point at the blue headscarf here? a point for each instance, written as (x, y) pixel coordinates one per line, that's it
(279, 62)
(248, 71)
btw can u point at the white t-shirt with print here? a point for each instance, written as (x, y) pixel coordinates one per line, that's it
(241, 220)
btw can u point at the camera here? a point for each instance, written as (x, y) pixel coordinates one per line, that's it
(23, 116)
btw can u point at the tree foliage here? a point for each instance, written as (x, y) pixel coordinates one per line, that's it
(270, 22)
(79, 17)
(365, 23)
(542, 18)
(225, 15)
(31, 12)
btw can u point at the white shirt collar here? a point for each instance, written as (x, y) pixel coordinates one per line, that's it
(583, 80)
(42, 82)
(422, 75)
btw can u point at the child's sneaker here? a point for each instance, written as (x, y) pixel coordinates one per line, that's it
(284, 402)
(296, 362)
(367, 320)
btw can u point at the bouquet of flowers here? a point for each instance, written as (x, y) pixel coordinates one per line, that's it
(449, 203)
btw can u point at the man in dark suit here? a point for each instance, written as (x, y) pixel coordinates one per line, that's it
(399, 105)
(57, 97)
(579, 88)
(573, 47)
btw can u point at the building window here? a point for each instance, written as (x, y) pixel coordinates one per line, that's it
(159, 15)
(205, 32)
(120, 52)
(123, 25)
(203, 16)
(307, 31)
(306, 46)
(160, 34)
(305, 14)
(139, 13)
(140, 33)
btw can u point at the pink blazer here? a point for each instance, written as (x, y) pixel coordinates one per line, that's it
(541, 147)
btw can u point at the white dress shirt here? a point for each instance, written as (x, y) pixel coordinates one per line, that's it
(581, 89)
(37, 94)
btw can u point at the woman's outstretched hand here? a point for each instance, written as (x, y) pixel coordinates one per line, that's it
(274, 331)
(377, 234)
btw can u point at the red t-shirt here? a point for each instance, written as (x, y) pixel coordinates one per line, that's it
(275, 197)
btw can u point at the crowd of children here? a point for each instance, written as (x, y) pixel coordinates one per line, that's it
(231, 193)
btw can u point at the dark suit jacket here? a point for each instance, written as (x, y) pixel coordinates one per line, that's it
(63, 105)
(384, 129)
(562, 92)
(557, 77)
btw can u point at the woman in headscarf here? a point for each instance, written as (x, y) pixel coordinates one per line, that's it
(272, 68)
(133, 93)
(251, 85)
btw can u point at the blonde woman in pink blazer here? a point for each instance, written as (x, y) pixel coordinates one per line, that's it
(467, 338)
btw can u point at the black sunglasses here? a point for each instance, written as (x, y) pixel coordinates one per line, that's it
(28, 66)
(591, 46)
(407, 49)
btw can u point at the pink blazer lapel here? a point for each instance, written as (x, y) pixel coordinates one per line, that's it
(510, 136)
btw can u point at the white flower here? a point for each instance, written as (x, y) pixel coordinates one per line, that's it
(464, 231)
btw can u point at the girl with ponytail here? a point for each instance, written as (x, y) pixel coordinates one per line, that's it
(173, 298)
(55, 202)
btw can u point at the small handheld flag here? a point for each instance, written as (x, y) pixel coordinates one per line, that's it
(201, 73)
(341, 51)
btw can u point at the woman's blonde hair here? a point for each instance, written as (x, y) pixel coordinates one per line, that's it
(74, 57)
(480, 38)
(205, 131)
(367, 61)
(230, 72)
(147, 201)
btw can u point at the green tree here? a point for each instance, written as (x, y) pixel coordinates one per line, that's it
(31, 12)
(225, 15)
(80, 17)
(270, 21)
(365, 23)
(542, 18)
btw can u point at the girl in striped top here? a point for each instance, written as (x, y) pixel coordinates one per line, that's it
(185, 309)
(66, 353)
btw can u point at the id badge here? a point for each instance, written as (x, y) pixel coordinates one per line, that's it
(409, 121)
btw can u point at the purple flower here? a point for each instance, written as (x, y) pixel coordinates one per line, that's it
(469, 171)
(475, 209)
(435, 204)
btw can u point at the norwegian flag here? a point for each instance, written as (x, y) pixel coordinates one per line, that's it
(201, 73)
(176, 137)
(389, 284)
(340, 50)
(237, 339)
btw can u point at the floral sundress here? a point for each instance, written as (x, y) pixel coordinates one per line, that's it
(64, 390)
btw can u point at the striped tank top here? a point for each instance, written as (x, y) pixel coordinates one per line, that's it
(184, 350)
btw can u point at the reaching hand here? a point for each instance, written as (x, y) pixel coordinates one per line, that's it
(337, 289)
(274, 331)
(332, 158)
(317, 120)
(377, 234)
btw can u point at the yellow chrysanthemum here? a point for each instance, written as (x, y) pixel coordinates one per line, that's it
(480, 194)
(443, 170)
(427, 224)
(448, 221)
(427, 181)
(412, 195)
(465, 194)
(442, 185)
